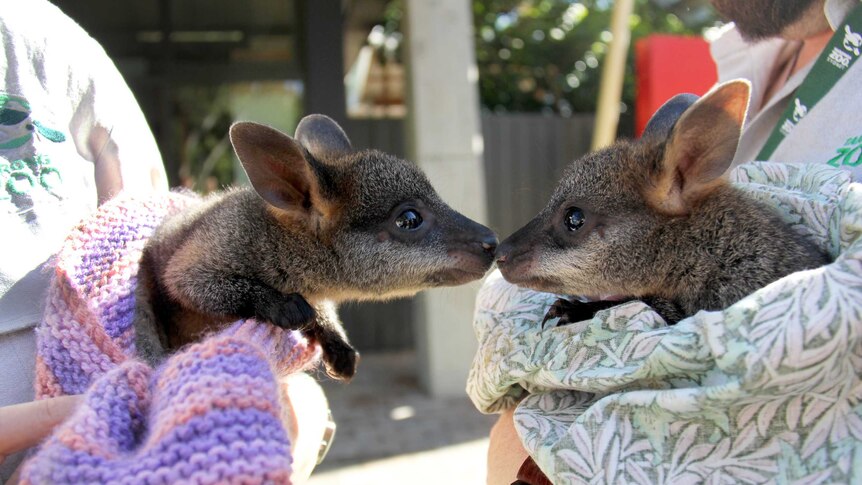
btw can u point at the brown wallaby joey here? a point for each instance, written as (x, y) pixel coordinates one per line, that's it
(657, 220)
(320, 223)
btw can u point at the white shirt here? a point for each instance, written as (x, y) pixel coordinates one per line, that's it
(71, 133)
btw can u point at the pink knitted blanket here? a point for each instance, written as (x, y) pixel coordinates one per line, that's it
(211, 414)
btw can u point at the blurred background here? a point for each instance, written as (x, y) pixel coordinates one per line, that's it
(490, 97)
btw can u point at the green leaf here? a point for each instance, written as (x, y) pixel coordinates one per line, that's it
(48, 133)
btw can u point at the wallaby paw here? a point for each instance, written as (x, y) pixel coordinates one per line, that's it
(293, 312)
(562, 309)
(576, 311)
(340, 359)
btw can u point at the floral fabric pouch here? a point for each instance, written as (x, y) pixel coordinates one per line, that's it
(767, 390)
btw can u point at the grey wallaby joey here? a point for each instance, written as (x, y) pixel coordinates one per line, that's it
(320, 223)
(657, 220)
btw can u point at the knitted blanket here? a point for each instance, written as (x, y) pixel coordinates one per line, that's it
(210, 414)
(768, 390)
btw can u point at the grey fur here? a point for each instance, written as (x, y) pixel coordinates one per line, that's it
(662, 122)
(310, 231)
(322, 138)
(662, 224)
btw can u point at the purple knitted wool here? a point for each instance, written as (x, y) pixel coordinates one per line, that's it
(87, 324)
(210, 414)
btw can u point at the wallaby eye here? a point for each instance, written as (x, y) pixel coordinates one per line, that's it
(574, 219)
(409, 220)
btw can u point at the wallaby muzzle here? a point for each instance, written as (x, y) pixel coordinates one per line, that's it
(466, 231)
(515, 254)
(470, 244)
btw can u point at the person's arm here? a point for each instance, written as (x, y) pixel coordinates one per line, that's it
(109, 129)
(505, 451)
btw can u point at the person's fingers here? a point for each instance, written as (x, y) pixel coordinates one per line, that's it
(24, 425)
(505, 451)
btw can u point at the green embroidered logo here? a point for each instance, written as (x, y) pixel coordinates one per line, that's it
(850, 155)
(18, 128)
(19, 177)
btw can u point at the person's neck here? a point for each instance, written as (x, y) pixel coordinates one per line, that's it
(811, 48)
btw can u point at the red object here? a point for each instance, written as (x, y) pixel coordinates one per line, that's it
(531, 474)
(667, 65)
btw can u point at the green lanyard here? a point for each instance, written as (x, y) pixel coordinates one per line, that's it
(840, 53)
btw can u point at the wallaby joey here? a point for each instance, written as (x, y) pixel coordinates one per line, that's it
(657, 220)
(320, 223)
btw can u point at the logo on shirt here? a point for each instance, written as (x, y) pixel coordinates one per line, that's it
(852, 41)
(850, 155)
(841, 58)
(22, 168)
(799, 112)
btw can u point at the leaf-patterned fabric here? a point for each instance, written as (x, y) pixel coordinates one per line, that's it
(766, 391)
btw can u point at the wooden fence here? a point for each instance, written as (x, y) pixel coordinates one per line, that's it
(524, 156)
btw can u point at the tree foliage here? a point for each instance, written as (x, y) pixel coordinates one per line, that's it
(546, 55)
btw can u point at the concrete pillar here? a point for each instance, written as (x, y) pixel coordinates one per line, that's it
(444, 138)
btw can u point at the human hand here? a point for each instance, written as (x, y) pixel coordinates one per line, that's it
(306, 414)
(305, 411)
(25, 425)
(215, 410)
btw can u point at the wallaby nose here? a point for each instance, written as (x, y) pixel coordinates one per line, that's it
(503, 251)
(489, 243)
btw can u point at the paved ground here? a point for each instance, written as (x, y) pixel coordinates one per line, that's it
(389, 431)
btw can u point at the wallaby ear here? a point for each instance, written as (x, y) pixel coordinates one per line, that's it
(275, 164)
(322, 137)
(701, 147)
(664, 119)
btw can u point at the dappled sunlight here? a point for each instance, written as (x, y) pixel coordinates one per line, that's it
(387, 422)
